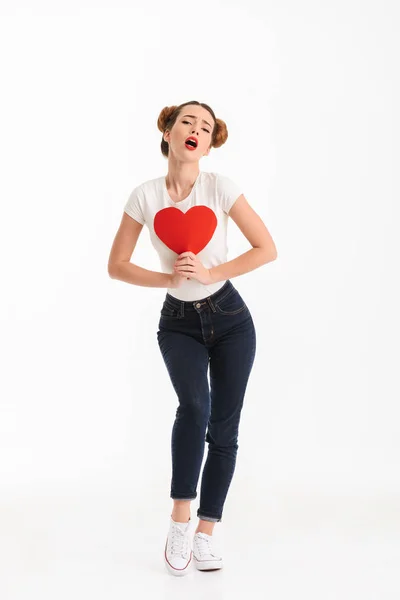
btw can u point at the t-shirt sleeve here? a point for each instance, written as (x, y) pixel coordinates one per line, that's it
(228, 192)
(134, 205)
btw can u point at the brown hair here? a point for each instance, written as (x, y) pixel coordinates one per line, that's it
(169, 114)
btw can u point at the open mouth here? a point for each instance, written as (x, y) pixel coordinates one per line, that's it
(191, 143)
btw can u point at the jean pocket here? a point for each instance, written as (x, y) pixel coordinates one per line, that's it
(231, 304)
(168, 311)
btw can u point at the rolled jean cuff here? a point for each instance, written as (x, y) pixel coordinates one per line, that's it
(205, 518)
(190, 498)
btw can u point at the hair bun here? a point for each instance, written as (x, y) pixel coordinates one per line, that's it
(164, 116)
(220, 134)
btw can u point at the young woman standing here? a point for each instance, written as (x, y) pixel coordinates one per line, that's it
(204, 321)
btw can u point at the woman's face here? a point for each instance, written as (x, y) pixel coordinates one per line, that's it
(195, 121)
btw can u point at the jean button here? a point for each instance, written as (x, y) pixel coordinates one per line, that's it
(198, 305)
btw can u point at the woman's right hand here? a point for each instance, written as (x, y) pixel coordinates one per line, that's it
(176, 280)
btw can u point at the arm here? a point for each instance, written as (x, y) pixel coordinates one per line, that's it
(248, 261)
(119, 265)
(131, 273)
(253, 228)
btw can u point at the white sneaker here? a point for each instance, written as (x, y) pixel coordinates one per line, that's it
(178, 548)
(206, 558)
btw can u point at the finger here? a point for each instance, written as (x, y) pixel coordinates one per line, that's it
(187, 257)
(185, 263)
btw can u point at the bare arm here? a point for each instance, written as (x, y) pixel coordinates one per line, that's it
(119, 265)
(253, 228)
(131, 273)
(248, 261)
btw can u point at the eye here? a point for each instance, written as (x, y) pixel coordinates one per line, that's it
(190, 124)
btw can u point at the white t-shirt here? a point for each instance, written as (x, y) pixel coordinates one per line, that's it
(174, 230)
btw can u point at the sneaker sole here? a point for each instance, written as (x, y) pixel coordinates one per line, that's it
(208, 565)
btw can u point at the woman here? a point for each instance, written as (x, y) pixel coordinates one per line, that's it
(204, 321)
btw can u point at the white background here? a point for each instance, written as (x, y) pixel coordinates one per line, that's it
(310, 94)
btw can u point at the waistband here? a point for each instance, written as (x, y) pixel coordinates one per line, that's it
(187, 305)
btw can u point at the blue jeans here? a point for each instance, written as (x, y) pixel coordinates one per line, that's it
(217, 331)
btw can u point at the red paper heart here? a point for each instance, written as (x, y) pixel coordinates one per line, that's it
(185, 232)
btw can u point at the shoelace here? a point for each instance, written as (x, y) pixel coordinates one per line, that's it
(204, 545)
(179, 541)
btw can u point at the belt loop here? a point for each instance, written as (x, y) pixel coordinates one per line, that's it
(182, 308)
(211, 304)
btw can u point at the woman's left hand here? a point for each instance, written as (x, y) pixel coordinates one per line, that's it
(188, 264)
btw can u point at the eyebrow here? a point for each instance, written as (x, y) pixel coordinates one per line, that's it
(193, 117)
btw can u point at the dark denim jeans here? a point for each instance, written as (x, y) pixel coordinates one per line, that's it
(216, 332)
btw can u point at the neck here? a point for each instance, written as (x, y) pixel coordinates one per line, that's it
(181, 177)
